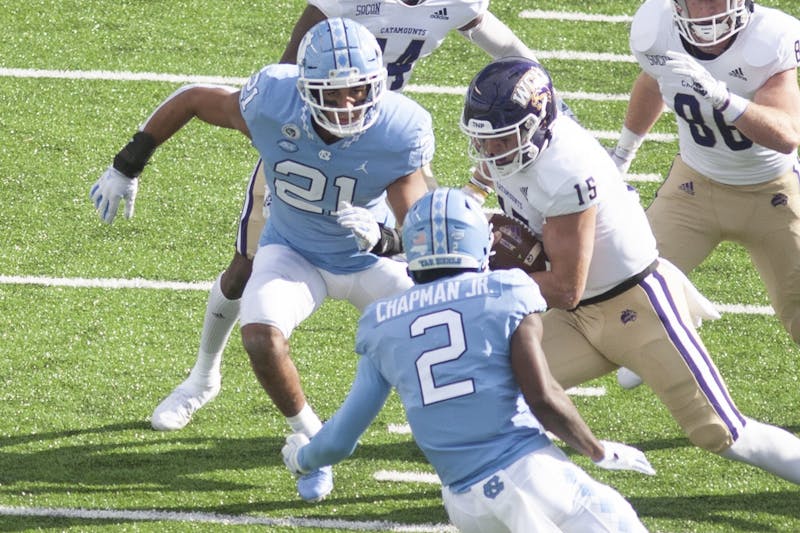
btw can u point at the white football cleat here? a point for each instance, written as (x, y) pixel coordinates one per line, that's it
(627, 378)
(176, 410)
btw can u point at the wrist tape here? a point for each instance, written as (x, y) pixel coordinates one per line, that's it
(733, 107)
(132, 159)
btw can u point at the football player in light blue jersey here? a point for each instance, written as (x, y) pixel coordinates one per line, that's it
(311, 178)
(478, 399)
(338, 143)
(402, 47)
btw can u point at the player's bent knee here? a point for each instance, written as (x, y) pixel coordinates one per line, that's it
(262, 341)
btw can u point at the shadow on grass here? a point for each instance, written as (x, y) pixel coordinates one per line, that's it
(132, 453)
(724, 512)
(104, 462)
(114, 459)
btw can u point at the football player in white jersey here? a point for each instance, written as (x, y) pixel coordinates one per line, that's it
(728, 70)
(488, 385)
(407, 31)
(613, 302)
(341, 147)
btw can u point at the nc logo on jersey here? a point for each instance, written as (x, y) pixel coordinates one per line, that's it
(493, 487)
(290, 131)
(287, 146)
(324, 155)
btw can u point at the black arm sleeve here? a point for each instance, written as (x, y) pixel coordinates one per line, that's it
(390, 243)
(132, 159)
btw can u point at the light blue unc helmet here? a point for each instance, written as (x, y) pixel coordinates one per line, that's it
(446, 229)
(340, 53)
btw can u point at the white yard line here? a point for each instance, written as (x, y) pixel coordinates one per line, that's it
(570, 15)
(138, 283)
(213, 518)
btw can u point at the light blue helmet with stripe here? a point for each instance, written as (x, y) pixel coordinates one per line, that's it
(339, 53)
(446, 229)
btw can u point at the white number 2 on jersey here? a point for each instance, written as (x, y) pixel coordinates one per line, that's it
(431, 393)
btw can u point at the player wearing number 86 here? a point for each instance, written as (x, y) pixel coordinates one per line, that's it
(728, 70)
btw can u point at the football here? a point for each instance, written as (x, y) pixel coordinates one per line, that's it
(515, 246)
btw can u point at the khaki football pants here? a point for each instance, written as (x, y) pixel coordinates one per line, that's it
(648, 329)
(692, 214)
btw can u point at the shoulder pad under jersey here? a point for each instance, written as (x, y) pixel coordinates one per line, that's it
(647, 22)
(768, 32)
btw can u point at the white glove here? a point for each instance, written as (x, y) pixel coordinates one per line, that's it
(112, 188)
(362, 223)
(620, 456)
(294, 443)
(625, 150)
(476, 189)
(703, 82)
(622, 158)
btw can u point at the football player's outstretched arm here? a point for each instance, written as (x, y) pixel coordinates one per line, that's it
(554, 409)
(569, 243)
(495, 37)
(546, 398)
(645, 104)
(217, 105)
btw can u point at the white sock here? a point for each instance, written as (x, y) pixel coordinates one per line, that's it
(306, 421)
(221, 316)
(768, 447)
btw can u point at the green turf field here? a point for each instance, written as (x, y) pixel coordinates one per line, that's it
(90, 342)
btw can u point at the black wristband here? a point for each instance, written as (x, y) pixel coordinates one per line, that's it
(389, 244)
(132, 159)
